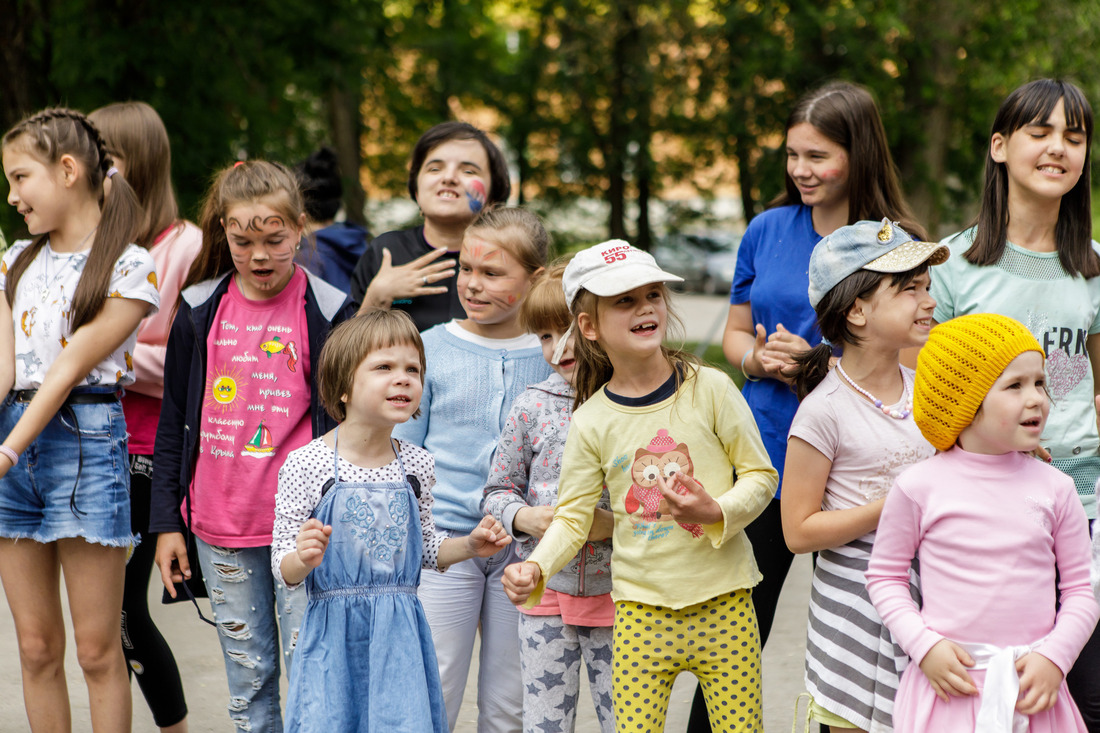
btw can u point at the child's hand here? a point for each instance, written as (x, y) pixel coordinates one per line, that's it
(171, 558)
(488, 538)
(603, 525)
(312, 542)
(687, 500)
(1040, 679)
(520, 580)
(945, 667)
(533, 520)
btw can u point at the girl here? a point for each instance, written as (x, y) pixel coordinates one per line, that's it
(1030, 257)
(1001, 539)
(238, 392)
(477, 367)
(850, 437)
(656, 429)
(839, 171)
(575, 615)
(138, 144)
(455, 173)
(345, 523)
(75, 295)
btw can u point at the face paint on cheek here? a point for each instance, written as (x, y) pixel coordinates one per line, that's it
(832, 175)
(475, 196)
(512, 299)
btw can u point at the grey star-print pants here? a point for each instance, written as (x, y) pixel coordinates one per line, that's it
(550, 657)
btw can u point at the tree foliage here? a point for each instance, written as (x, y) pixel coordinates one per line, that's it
(623, 102)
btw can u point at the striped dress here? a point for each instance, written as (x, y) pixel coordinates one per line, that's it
(853, 667)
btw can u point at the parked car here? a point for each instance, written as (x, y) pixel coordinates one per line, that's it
(676, 255)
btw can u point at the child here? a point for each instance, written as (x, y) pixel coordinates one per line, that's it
(138, 144)
(455, 174)
(238, 392)
(1001, 539)
(75, 295)
(666, 437)
(1031, 257)
(574, 618)
(850, 437)
(476, 369)
(353, 519)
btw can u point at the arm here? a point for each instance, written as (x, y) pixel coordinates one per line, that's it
(89, 345)
(310, 546)
(756, 480)
(295, 548)
(806, 527)
(887, 574)
(1092, 346)
(488, 538)
(579, 493)
(7, 346)
(505, 494)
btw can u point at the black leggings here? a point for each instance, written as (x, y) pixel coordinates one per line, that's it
(147, 653)
(774, 560)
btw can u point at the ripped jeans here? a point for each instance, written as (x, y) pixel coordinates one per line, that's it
(246, 599)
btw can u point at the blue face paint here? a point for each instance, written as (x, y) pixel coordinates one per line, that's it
(475, 196)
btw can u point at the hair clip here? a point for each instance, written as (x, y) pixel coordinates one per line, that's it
(238, 164)
(111, 171)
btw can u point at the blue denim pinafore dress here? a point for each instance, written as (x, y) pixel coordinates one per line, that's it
(364, 659)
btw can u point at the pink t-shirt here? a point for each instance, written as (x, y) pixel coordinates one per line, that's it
(575, 610)
(255, 411)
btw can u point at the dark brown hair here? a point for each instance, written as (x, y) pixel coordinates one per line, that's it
(134, 132)
(353, 341)
(594, 368)
(48, 135)
(1032, 104)
(500, 182)
(832, 321)
(242, 183)
(846, 114)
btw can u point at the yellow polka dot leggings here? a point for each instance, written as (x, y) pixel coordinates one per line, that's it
(716, 640)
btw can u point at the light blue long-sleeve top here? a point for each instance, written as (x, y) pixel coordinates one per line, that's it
(468, 393)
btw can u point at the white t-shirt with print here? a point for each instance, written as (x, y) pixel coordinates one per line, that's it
(43, 300)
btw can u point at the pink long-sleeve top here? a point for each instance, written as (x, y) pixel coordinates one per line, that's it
(990, 532)
(173, 252)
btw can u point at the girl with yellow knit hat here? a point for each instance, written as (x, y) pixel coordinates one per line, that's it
(852, 435)
(1001, 539)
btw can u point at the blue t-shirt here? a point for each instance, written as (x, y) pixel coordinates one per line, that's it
(772, 275)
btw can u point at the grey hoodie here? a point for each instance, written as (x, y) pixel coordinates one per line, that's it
(525, 471)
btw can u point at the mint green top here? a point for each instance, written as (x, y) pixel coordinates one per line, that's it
(1061, 312)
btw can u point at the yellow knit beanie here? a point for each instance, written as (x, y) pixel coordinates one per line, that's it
(957, 367)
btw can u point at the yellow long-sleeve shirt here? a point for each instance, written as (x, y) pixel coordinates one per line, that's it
(705, 430)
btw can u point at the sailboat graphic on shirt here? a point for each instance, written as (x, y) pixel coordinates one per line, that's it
(261, 445)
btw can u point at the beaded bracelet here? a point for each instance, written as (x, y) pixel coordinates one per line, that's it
(12, 455)
(748, 376)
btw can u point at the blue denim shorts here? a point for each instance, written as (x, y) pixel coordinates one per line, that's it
(41, 498)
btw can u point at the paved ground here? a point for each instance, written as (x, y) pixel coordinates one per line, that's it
(197, 651)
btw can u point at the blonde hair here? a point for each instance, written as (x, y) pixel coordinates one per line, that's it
(544, 308)
(594, 368)
(353, 341)
(516, 230)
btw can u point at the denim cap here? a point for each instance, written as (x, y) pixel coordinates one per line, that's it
(867, 245)
(606, 269)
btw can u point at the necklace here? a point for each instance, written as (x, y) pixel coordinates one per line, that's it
(906, 397)
(50, 254)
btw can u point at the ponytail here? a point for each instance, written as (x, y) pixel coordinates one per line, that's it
(48, 135)
(810, 368)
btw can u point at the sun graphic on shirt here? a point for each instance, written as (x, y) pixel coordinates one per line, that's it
(222, 387)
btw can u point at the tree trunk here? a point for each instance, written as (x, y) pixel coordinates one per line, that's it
(345, 126)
